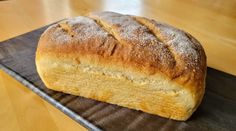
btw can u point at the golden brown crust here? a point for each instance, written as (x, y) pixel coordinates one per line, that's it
(137, 43)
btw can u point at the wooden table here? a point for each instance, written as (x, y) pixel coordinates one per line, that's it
(213, 23)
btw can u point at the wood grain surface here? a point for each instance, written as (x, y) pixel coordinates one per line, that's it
(213, 22)
(217, 111)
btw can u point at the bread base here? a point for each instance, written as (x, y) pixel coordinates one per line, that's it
(156, 94)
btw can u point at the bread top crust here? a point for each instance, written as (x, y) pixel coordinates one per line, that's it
(143, 45)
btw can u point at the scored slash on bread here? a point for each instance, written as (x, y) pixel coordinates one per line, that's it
(126, 60)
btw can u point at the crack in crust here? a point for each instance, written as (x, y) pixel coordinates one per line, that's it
(141, 20)
(109, 31)
(65, 27)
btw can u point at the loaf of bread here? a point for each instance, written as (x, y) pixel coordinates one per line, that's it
(126, 60)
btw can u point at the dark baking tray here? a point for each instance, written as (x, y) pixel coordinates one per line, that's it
(216, 112)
